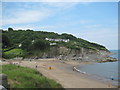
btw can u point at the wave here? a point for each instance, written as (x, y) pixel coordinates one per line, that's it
(79, 70)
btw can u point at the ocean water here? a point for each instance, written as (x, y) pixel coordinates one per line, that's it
(104, 71)
(115, 55)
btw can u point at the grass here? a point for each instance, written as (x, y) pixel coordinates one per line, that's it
(24, 77)
(14, 53)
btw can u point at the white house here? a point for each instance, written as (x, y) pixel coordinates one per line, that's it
(57, 40)
(52, 43)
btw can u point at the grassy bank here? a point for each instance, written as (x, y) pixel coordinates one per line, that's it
(23, 77)
(13, 53)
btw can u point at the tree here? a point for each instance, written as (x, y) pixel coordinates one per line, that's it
(40, 45)
(5, 41)
(68, 36)
(26, 44)
(10, 29)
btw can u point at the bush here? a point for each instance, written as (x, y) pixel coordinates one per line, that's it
(13, 53)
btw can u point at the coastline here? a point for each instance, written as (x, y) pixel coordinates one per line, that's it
(63, 73)
(91, 76)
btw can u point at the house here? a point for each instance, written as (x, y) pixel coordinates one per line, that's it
(52, 43)
(57, 40)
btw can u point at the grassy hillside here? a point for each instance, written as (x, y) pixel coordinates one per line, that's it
(23, 77)
(31, 41)
(14, 53)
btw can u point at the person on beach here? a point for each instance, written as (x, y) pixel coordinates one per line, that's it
(36, 66)
(112, 78)
(73, 68)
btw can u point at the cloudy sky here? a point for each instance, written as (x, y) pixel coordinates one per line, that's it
(94, 21)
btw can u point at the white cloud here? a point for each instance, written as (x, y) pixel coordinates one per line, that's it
(30, 16)
(30, 13)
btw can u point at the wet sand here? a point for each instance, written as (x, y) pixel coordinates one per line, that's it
(63, 73)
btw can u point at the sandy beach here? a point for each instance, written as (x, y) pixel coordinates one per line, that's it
(63, 73)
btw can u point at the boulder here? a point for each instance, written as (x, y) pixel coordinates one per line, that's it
(4, 81)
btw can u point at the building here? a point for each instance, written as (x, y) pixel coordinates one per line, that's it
(57, 40)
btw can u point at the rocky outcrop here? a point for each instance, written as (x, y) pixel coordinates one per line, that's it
(63, 53)
(108, 59)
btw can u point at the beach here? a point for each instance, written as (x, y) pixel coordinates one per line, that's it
(63, 73)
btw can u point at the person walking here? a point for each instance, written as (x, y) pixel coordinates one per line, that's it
(36, 66)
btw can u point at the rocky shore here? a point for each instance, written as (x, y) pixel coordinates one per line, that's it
(83, 55)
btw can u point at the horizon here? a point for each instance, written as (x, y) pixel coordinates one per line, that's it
(93, 21)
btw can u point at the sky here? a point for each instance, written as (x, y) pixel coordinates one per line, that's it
(93, 21)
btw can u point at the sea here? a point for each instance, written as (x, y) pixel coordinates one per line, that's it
(107, 71)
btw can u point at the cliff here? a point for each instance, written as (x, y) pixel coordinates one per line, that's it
(63, 53)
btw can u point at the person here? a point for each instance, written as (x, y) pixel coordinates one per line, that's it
(112, 78)
(50, 68)
(73, 68)
(36, 66)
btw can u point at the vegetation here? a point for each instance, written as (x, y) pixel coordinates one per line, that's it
(23, 77)
(14, 53)
(34, 41)
(5, 41)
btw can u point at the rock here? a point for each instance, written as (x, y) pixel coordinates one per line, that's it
(2, 87)
(110, 59)
(4, 81)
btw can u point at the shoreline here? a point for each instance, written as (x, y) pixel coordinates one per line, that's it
(96, 77)
(62, 72)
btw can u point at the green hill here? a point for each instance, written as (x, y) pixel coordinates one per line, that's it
(31, 42)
